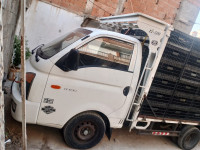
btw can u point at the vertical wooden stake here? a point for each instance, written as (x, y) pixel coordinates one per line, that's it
(23, 77)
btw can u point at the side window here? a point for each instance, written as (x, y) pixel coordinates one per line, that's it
(107, 53)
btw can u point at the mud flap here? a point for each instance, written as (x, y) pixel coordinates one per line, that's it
(108, 132)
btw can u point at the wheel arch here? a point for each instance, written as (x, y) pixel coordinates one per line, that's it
(107, 123)
(108, 131)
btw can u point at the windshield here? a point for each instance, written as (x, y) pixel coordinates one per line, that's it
(61, 43)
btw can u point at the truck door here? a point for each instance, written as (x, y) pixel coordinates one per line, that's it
(101, 82)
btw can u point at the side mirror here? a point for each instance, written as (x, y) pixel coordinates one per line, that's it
(70, 61)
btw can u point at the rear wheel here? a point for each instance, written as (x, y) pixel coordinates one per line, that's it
(84, 131)
(174, 139)
(189, 137)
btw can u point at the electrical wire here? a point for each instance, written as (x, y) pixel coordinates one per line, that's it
(100, 7)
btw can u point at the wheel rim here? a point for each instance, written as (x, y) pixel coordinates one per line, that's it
(191, 140)
(85, 131)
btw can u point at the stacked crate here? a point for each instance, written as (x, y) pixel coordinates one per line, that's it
(175, 91)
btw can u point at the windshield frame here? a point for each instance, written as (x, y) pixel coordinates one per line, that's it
(59, 41)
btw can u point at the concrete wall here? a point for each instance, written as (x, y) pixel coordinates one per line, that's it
(10, 14)
(2, 122)
(195, 2)
(48, 19)
(44, 22)
(187, 15)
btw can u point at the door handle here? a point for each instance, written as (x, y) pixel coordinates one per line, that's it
(126, 90)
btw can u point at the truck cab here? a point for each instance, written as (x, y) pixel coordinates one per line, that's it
(107, 66)
(86, 81)
(86, 70)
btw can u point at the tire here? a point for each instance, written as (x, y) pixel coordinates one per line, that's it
(84, 131)
(174, 139)
(188, 138)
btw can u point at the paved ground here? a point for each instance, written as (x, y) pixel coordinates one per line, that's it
(45, 138)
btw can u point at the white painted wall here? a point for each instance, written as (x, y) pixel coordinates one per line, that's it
(44, 23)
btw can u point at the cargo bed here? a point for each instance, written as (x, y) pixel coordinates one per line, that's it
(175, 91)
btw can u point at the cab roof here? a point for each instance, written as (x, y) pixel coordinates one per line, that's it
(116, 34)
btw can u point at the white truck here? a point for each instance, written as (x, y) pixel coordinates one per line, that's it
(93, 80)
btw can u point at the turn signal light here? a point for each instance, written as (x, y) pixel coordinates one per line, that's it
(29, 80)
(29, 77)
(55, 86)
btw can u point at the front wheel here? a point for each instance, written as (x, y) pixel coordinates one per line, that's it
(84, 130)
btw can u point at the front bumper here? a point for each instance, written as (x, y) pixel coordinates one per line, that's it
(32, 108)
